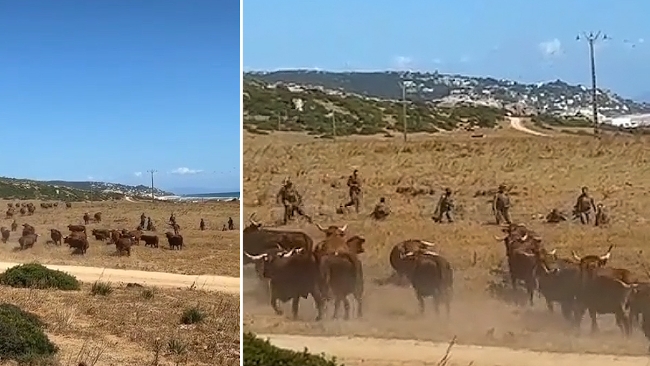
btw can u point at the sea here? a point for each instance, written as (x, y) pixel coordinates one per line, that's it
(219, 196)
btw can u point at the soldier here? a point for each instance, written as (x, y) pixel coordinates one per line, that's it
(584, 205)
(444, 207)
(202, 225)
(381, 210)
(291, 200)
(150, 226)
(172, 219)
(143, 218)
(231, 224)
(354, 183)
(601, 217)
(555, 216)
(501, 206)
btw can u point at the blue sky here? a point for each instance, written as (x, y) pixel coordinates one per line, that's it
(529, 41)
(105, 90)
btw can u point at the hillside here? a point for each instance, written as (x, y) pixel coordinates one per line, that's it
(556, 97)
(11, 188)
(292, 108)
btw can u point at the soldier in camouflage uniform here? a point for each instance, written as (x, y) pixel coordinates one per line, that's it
(291, 200)
(381, 210)
(601, 216)
(501, 206)
(444, 207)
(555, 216)
(584, 205)
(354, 183)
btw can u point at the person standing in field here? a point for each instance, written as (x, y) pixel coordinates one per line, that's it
(501, 206)
(584, 204)
(354, 185)
(291, 200)
(444, 207)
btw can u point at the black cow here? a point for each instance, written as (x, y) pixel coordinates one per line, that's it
(559, 282)
(258, 240)
(431, 275)
(292, 274)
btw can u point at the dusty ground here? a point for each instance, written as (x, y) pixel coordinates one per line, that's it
(545, 173)
(205, 252)
(127, 327)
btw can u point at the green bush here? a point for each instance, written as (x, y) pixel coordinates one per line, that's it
(35, 275)
(192, 315)
(21, 335)
(258, 352)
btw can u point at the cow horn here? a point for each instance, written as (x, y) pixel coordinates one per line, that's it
(502, 238)
(344, 227)
(428, 243)
(552, 252)
(606, 256)
(523, 238)
(279, 246)
(527, 254)
(253, 220)
(431, 253)
(320, 227)
(575, 256)
(256, 257)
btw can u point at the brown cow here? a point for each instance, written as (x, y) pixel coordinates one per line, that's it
(28, 229)
(27, 241)
(98, 217)
(115, 236)
(123, 245)
(77, 228)
(86, 218)
(5, 234)
(431, 275)
(174, 240)
(10, 213)
(133, 234)
(603, 291)
(101, 234)
(56, 236)
(150, 240)
(78, 241)
(68, 204)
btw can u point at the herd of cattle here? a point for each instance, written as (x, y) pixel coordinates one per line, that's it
(77, 239)
(295, 267)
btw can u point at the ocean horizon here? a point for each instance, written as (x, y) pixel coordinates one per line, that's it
(214, 196)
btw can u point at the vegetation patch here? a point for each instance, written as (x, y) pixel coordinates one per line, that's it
(21, 335)
(259, 352)
(35, 275)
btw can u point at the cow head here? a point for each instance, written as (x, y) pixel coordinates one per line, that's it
(253, 225)
(333, 230)
(591, 262)
(355, 244)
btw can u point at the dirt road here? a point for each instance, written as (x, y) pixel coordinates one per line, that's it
(158, 279)
(406, 352)
(515, 122)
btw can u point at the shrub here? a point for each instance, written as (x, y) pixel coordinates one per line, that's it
(21, 335)
(192, 315)
(258, 352)
(101, 288)
(34, 275)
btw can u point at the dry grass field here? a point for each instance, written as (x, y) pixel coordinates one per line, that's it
(205, 252)
(543, 172)
(135, 325)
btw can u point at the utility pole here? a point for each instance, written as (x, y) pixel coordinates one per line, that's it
(152, 172)
(403, 86)
(333, 124)
(591, 39)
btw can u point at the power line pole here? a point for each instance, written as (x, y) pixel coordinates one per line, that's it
(591, 39)
(152, 172)
(333, 124)
(403, 86)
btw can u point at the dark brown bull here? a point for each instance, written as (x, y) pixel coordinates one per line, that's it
(292, 274)
(5, 234)
(603, 291)
(559, 282)
(396, 258)
(28, 229)
(10, 213)
(101, 234)
(639, 308)
(150, 240)
(521, 244)
(68, 204)
(340, 268)
(27, 241)
(98, 217)
(77, 228)
(175, 241)
(123, 246)
(23, 210)
(115, 236)
(56, 236)
(431, 275)
(258, 240)
(86, 218)
(77, 241)
(31, 209)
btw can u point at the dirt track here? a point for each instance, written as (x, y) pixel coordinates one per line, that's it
(515, 122)
(406, 352)
(159, 279)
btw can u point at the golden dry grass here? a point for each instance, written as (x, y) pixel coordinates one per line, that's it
(545, 173)
(128, 327)
(205, 252)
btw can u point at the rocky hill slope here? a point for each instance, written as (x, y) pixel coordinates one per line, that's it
(556, 97)
(325, 112)
(11, 188)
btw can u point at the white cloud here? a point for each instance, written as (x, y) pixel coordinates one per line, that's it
(641, 40)
(552, 48)
(138, 174)
(403, 62)
(186, 171)
(437, 61)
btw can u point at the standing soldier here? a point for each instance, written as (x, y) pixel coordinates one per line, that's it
(444, 207)
(501, 206)
(202, 225)
(231, 224)
(291, 200)
(143, 218)
(354, 183)
(584, 205)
